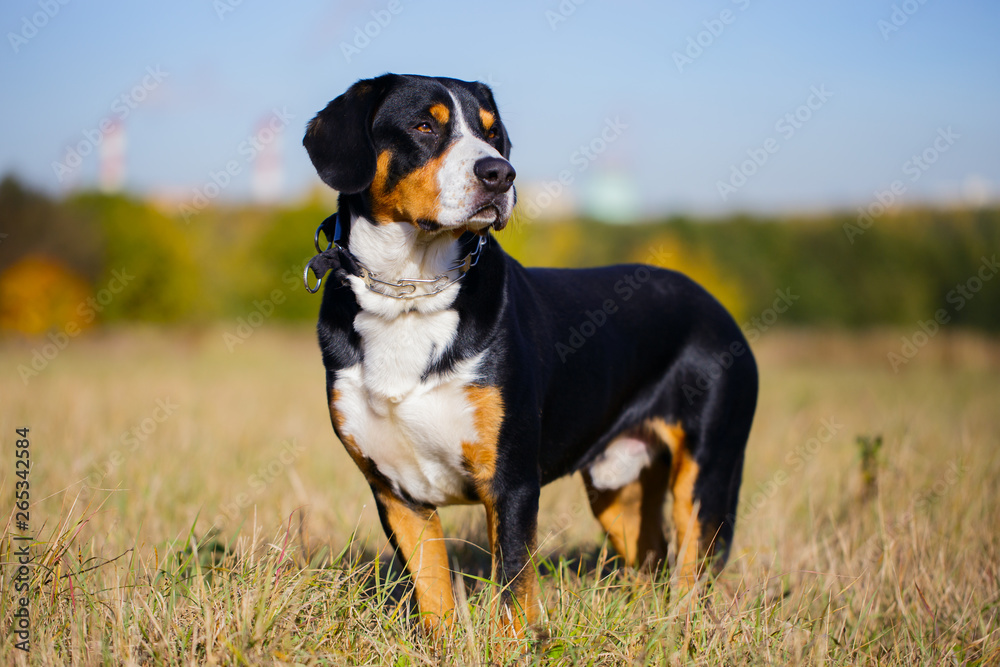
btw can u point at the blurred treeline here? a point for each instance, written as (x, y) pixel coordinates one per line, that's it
(134, 260)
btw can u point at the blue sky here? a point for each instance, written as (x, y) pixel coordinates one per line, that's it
(685, 129)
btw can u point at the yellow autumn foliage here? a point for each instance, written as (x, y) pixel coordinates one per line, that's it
(698, 263)
(38, 293)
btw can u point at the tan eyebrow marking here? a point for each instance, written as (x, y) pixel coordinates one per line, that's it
(487, 118)
(440, 113)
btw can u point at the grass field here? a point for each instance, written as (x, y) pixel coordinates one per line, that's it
(191, 505)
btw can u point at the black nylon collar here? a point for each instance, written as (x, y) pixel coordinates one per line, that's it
(334, 258)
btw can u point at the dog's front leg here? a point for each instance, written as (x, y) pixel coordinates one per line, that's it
(415, 533)
(512, 520)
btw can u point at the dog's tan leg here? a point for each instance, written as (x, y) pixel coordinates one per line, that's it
(690, 551)
(695, 545)
(418, 538)
(618, 512)
(632, 515)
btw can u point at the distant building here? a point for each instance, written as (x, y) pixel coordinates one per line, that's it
(268, 165)
(111, 170)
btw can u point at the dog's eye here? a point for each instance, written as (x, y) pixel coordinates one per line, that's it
(490, 134)
(425, 128)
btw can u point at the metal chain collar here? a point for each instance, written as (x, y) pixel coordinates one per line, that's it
(406, 288)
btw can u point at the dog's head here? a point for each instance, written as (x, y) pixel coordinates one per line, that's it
(431, 152)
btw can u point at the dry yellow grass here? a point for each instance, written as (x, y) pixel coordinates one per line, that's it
(127, 567)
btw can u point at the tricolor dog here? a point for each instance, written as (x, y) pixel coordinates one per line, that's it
(447, 371)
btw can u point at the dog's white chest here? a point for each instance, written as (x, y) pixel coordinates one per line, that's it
(411, 428)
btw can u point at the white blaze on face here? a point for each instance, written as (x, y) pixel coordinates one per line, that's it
(461, 193)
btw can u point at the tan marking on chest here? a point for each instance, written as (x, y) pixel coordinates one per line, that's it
(480, 456)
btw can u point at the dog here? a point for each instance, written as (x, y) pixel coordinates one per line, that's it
(453, 375)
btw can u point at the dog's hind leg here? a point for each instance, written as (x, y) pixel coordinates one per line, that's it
(687, 524)
(704, 494)
(626, 487)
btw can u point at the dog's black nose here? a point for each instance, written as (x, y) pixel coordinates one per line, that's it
(495, 173)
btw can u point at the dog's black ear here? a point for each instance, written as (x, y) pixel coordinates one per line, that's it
(339, 138)
(486, 92)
